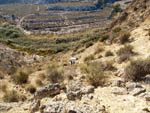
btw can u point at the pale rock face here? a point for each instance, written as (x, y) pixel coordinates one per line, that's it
(76, 90)
(61, 107)
(137, 91)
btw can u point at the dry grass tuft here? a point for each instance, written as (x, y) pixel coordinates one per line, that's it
(20, 77)
(124, 37)
(13, 96)
(94, 74)
(108, 53)
(137, 69)
(89, 58)
(55, 74)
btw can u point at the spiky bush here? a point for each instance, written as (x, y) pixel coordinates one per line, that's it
(13, 96)
(55, 74)
(137, 69)
(124, 37)
(125, 53)
(20, 77)
(88, 58)
(94, 74)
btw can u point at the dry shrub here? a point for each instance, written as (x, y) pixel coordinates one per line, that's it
(13, 96)
(20, 77)
(88, 58)
(55, 74)
(88, 44)
(31, 89)
(124, 37)
(38, 82)
(108, 53)
(125, 53)
(98, 50)
(1, 75)
(149, 32)
(108, 66)
(137, 69)
(3, 87)
(104, 37)
(94, 74)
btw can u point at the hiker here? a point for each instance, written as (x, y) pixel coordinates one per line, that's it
(73, 60)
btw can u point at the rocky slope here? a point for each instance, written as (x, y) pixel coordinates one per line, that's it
(75, 94)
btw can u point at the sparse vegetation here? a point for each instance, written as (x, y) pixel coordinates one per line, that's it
(98, 50)
(13, 96)
(38, 82)
(104, 37)
(108, 53)
(117, 29)
(149, 32)
(117, 8)
(55, 74)
(137, 69)
(31, 89)
(125, 52)
(124, 37)
(89, 58)
(3, 87)
(88, 44)
(95, 75)
(20, 77)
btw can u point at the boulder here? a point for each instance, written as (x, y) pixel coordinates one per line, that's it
(76, 90)
(49, 90)
(132, 86)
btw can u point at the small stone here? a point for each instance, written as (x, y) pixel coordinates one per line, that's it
(119, 91)
(120, 83)
(147, 97)
(71, 95)
(35, 106)
(102, 108)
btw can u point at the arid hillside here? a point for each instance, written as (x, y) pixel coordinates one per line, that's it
(101, 70)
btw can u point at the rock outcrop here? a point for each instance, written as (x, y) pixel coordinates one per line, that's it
(49, 90)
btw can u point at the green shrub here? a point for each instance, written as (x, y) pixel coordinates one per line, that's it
(117, 29)
(124, 37)
(88, 58)
(94, 74)
(55, 74)
(137, 69)
(117, 8)
(108, 53)
(20, 77)
(88, 44)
